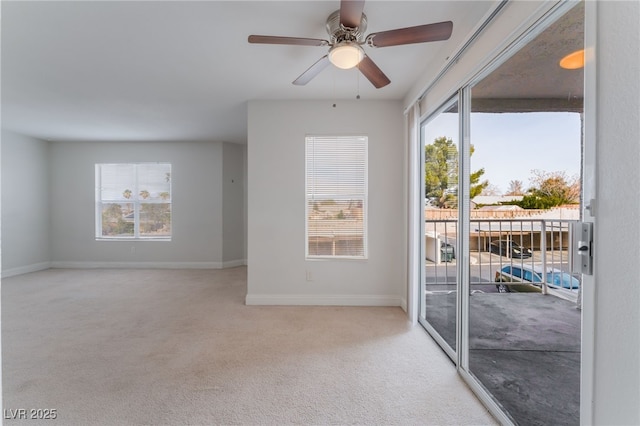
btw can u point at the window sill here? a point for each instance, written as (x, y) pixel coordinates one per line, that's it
(125, 239)
(322, 258)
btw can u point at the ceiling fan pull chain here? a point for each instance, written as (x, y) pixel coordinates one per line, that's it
(333, 89)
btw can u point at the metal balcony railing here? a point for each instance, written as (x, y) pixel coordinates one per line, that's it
(537, 252)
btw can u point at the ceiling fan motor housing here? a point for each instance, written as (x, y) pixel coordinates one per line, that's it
(338, 33)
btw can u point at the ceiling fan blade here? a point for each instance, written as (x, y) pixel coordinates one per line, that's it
(419, 34)
(313, 70)
(298, 41)
(351, 13)
(374, 74)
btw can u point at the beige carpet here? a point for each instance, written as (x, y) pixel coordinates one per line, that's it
(172, 347)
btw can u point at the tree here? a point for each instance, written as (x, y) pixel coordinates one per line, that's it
(515, 188)
(477, 187)
(154, 217)
(441, 173)
(531, 201)
(490, 190)
(128, 207)
(550, 189)
(113, 222)
(441, 170)
(556, 186)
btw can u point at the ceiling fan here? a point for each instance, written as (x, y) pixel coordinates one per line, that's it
(346, 28)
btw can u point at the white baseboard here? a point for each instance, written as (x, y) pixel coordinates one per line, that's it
(26, 269)
(137, 265)
(323, 300)
(123, 265)
(403, 304)
(234, 263)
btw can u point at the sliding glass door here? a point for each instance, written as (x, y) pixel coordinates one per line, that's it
(502, 172)
(526, 130)
(439, 137)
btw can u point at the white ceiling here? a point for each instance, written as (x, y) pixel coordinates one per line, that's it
(155, 71)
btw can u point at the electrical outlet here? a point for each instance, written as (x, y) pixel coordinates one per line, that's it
(309, 275)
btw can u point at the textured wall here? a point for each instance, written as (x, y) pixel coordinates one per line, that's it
(276, 150)
(196, 205)
(233, 201)
(25, 204)
(617, 231)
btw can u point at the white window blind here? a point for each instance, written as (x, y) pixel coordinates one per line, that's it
(133, 201)
(336, 196)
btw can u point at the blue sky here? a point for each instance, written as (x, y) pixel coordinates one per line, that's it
(510, 145)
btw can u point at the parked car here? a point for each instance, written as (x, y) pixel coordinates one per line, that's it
(510, 249)
(532, 276)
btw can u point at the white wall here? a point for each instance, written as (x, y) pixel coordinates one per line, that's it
(197, 212)
(25, 204)
(1, 269)
(277, 267)
(233, 202)
(617, 229)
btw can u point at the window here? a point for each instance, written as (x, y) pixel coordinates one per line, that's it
(133, 201)
(336, 196)
(516, 272)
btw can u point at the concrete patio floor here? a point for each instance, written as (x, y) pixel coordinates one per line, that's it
(524, 348)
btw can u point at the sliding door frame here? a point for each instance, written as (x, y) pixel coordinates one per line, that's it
(460, 356)
(451, 352)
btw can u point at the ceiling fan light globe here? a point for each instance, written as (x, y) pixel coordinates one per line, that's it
(346, 55)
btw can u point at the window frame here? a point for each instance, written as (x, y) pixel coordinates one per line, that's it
(136, 201)
(364, 198)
